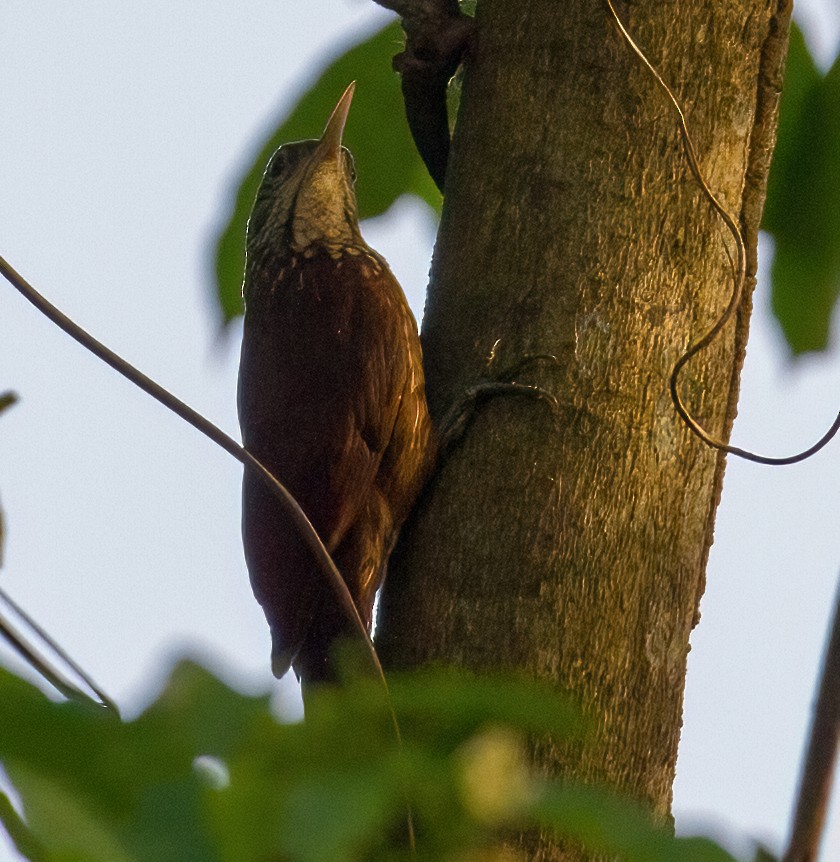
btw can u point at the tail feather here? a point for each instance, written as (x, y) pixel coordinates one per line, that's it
(316, 660)
(282, 656)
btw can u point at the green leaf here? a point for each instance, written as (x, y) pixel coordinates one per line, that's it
(604, 823)
(336, 788)
(446, 706)
(94, 788)
(23, 839)
(360, 803)
(803, 201)
(66, 822)
(377, 133)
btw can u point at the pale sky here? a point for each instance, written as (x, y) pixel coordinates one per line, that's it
(124, 128)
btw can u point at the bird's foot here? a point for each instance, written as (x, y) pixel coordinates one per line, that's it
(461, 414)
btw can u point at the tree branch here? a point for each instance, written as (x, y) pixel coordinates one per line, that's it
(818, 768)
(438, 35)
(43, 667)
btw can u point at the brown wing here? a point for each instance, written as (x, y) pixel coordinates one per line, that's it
(322, 370)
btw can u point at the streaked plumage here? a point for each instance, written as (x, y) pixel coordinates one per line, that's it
(331, 398)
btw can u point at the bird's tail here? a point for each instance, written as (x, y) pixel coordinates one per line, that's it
(321, 657)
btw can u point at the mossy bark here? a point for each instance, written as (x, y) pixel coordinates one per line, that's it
(575, 546)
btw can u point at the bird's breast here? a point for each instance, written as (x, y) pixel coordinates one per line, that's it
(321, 330)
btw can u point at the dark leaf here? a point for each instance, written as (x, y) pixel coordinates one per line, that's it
(803, 201)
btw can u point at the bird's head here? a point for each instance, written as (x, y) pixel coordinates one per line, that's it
(306, 197)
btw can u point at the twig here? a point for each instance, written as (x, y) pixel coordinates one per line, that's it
(437, 35)
(47, 671)
(424, 13)
(821, 757)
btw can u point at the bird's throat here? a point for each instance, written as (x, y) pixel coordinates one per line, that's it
(325, 210)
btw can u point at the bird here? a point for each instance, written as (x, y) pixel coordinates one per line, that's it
(331, 399)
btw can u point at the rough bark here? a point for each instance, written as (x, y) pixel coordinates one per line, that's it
(576, 548)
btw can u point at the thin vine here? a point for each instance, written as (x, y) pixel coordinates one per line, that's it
(739, 272)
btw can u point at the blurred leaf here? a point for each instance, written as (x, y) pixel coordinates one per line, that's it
(93, 788)
(377, 133)
(449, 705)
(22, 838)
(67, 823)
(803, 200)
(337, 788)
(360, 805)
(603, 822)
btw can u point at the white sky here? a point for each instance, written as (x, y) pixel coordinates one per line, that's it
(124, 127)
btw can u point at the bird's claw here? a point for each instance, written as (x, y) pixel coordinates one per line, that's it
(462, 413)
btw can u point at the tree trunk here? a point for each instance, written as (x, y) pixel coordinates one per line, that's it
(575, 546)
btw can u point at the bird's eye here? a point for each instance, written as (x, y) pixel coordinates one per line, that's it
(278, 163)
